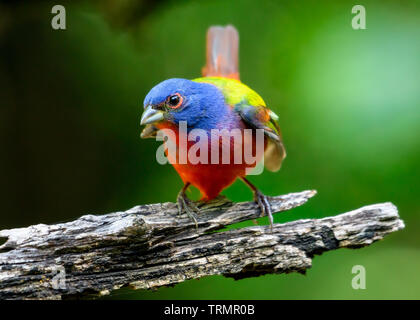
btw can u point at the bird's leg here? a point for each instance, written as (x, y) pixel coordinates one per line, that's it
(262, 201)
(185, 204)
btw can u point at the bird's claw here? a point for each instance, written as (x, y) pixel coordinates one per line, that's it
(264, 204)
(187, 206)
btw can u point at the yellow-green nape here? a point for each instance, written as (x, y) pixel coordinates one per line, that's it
(234, 91)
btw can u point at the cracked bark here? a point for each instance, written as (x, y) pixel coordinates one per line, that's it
(150, 246)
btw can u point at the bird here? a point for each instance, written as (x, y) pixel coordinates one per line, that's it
(216, 101)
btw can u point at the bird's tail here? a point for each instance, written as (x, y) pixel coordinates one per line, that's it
(222, 52)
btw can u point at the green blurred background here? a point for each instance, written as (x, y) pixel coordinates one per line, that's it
(348, 101)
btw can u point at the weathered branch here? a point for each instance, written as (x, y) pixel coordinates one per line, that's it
(150, 246)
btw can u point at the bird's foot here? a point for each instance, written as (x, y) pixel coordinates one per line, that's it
(264, 204)
(187, 206)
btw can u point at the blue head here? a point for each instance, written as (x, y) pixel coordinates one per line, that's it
(201, 105)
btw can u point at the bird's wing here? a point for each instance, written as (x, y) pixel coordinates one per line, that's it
(253, 111)
(222, 52)
(261, 117)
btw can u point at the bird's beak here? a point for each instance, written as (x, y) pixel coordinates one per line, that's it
(151, 115)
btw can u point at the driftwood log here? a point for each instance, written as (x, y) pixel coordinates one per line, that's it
(150, 246)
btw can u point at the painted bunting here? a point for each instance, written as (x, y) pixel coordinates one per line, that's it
(216, 101)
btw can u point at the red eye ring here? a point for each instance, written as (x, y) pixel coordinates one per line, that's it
(174, 101)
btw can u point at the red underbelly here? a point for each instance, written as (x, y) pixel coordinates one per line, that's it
(210, 177)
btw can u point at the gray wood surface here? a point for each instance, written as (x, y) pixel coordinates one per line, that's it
(150, 246)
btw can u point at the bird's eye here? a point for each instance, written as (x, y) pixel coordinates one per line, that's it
(174, 101)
